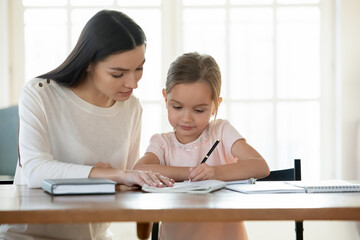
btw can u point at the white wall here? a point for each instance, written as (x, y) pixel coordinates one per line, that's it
(350, 76)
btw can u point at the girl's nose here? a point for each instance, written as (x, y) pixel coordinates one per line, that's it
(186, 117)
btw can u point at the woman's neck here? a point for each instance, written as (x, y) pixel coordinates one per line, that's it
(89, 93)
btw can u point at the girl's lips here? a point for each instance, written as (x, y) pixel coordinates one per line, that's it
(186, 128)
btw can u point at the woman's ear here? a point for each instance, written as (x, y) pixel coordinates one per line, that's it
(220, 101)
(89, 67)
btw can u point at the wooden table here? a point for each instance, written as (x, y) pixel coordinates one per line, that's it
(18, 204)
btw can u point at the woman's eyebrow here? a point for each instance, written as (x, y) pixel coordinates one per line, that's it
(125, 69)
(119, 69)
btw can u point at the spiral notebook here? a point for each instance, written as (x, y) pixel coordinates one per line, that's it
(327, 186)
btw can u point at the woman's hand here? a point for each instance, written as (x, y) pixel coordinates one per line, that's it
(103, 165)
(130, 178)
(201, 172)
(134, 177)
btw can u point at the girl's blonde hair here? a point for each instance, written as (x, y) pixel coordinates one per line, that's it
(194, 67)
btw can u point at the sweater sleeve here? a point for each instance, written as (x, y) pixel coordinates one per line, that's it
(34, 143)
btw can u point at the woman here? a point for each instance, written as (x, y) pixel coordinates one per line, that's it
(81, 120)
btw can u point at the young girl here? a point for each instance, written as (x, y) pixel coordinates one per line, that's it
(192, 96)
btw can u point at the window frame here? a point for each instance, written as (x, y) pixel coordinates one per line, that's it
(172, 36)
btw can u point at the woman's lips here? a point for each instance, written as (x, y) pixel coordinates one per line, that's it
(126, 94)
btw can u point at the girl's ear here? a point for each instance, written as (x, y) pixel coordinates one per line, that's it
(220, 101)
(164, 94)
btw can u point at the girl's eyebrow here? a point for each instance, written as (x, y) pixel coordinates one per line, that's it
(199, 105)
(173, 100)
(125, 69)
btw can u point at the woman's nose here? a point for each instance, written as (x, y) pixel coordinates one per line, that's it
(132, 81)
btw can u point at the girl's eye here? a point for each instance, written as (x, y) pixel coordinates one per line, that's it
(140, 69)
(199, 110)
(177, 107)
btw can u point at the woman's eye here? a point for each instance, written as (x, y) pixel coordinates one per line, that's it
(177, 107)
(199, 110)
(118, 75)
(140, 69)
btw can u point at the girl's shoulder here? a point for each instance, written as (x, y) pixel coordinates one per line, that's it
(223, 128)
(218, 124)
(162, 140)
(163, 137)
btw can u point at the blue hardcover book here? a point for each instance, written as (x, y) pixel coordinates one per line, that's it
(69, 186)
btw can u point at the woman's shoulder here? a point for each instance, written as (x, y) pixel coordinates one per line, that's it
(133, 100)
(39, 84)
(132, 104)
(41, 89)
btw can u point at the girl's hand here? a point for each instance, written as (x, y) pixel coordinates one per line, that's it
(201, 172)
(133, 178)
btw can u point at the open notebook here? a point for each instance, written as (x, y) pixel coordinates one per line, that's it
(205, 186)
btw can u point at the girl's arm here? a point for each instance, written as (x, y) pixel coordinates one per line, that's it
(250, 164)
(150, 162)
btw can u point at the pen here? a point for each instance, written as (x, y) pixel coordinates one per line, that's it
(208, 154)
(211, 150)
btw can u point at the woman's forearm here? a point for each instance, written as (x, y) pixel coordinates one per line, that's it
(109, 173)
(176, 173)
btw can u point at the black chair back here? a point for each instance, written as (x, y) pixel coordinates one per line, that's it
(289, 174)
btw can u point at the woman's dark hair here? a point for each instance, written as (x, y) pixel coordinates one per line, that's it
(106, 33)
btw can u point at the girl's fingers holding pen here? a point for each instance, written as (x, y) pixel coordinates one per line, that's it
(202, 172)
(194, 172)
